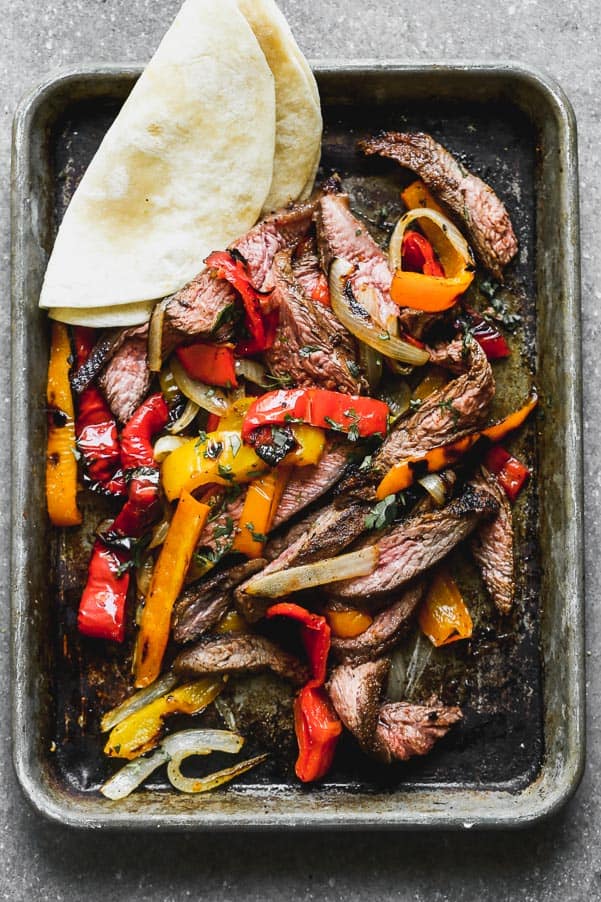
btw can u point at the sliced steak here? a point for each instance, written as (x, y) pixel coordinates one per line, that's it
(307, 271)
(197, 310)
(203, 604)
(276, 232)
(451, 412)
(492, 546)
(404, 730)
(311, 346)
(383, 634)
(470, 200)
(307, 484)
(126, 379)
(412, 547)
(219, 532)
(239, 654)
(355, 691)
(109, 342)
(340, 234)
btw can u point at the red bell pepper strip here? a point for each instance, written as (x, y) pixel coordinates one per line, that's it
(486, 334)
(418, 255)
(261, 331)
(102, 606)
(213, 422)
(317, 407)
(510, 472)
(95, 426)
(212, 364)
(315, 633)
(317, 729)
(316, 724)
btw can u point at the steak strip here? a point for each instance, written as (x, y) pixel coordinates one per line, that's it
(412, 547)
(492, 546)
(126, 379)
(239, 654)
(470, 200)
(384, 632)
(203, 604)
(405, 729)
(355, 692)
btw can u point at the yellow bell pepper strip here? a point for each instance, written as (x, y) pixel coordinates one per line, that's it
(219, 453)
(166, 584)
(142, 730)
(61, 461)
(443, 616)
(310, 445)
(348, 624)
(404, 473)
(260, 507)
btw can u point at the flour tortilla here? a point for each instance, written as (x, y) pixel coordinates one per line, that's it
(185, 168)
(298, 111)
(104, 317)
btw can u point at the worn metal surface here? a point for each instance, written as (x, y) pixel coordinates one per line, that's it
(548, 125)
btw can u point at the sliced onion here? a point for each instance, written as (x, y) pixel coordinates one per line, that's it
(363, 327)
(253, 371)
(435, 488)
(206, 396)
(332, 570)
(168, 443)
(155, 337)
(398, 398)
(159, 533)
(371, 363)
(160, 687)
(144, 575)
(135, 772)
(446, 226)
(202, 742)
(397, 675)
(205, 784)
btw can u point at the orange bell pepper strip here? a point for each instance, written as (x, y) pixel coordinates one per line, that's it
(260, 507)
(209, 363)
(141, 730)
(417, 195)
(348, 624)
(167, 580)
(404, 473)
(443, 616)
(61, 451)
(317, 729)
(431, 294)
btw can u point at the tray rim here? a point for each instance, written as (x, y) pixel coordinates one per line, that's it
(486, 809)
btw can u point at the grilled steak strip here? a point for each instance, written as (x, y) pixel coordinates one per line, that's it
(448, 414)
(470, 200)
(355, 692)
(239, 654)
(492, 546)
(307, 271)
(307, 484)
(203, 604)
(311, 346)
(383, 634)
(404, 729)
(126, 379)
(411, 547)
(196, 311)
(281, 230)
(108, 344)
(340, 234)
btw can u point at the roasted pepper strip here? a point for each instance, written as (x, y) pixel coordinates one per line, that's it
(102, 605)
(95, 427)
(403, 474)
(443, 616)
(316, 724)
(260, 507)
(418, 255)
(417, 195)
(485, 333)
(357, 416)
(142, 730)
(510, 472)
(315, 634)
(166, 584)
(61, 462)
(431, 294)
(261, 327)
(348, 624)
(317, 729)
(209, 363)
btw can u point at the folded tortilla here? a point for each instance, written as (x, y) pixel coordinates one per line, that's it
(185, 168)
(298, 110)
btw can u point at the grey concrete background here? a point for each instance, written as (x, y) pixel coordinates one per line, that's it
(558, 860)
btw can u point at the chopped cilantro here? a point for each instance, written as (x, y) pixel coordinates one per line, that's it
(448, 406)
(415, 404)
(307, 350)
(337, 427)
(382, 514)
(225, 471)
(365, 465)
(225, 530)
(353, 369)
(284, 380)
(257, 536)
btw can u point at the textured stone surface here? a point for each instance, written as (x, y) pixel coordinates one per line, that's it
(557, 860)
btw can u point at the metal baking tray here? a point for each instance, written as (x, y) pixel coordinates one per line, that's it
(518, 756)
